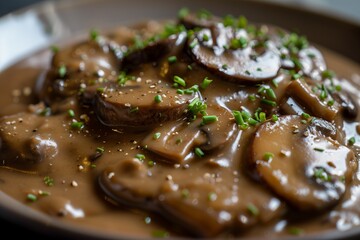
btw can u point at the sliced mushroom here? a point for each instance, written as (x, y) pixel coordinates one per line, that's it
(203, 208)
(125, 184)
(193, 20)
(312, 62)
(220, 132)
(85, 63)
(300, 98)
(154, 50)
(134, 105)
(202, 200)
(300, 162)
(348, 106)
(177, 140)
(243, 64)
(26, 142)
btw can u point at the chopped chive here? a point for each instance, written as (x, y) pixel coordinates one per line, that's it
(268, 156)
(319, 149)
(295, 76)
(71, 113)
(242, 22)
(323, 93)
(351, 141)
(49, 181)
(338, 88)
(252, 121)
(77, 125)
(246, 115)
(274, 118)
(270, 93)
(199, 152)
(123, 78)
(305, 115)
(160, 234)
(209, 119)
(275, 83)
(54, 48)
(262, 117)
(140, 156)
(247, 72)
(225, 66)
(172, 59)
(252, 97)
(158, 99)
(205, 37)
(31, 197)
(193, 43)
(179, 81)
(206, 82)
(253, 209)
(178, 141)
(100, 89)
(237, 43)
(94, 34)
(238, 118)
(295, 231)
(268, 102)
(197, 106)
(179, 91)
(330, 102)
(62, 71)
(303, 121)
(100, 149)
(212, 196)
(151, 163)
(228, 21)
(203, 14)
(189, 67)
(183, 12)
(185, 193)
(156, 135)
(328, 74)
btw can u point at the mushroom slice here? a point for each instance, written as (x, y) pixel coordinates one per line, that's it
(27, 142)
(230, 53)
(154, 50)
(348, 106)
(85, 63)
(203, 208)
(199, 20)
(312, 62)
(129, 183)
(301, 98)
(220, 132)
(301, 163)
(135, 105)
(175, 140)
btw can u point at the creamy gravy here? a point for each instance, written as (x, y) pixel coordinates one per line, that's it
(126, 161)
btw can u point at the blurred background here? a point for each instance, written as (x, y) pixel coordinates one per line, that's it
(349, 9)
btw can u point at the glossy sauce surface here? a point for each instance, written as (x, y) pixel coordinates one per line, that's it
(85, 137)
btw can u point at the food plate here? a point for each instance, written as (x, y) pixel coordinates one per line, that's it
(58, 22)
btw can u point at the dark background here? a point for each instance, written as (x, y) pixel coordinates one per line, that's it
(7, 6)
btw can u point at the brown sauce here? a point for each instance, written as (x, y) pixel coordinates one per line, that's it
(203, 130)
